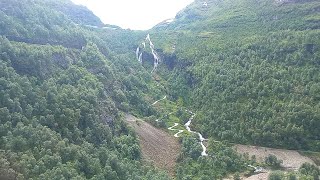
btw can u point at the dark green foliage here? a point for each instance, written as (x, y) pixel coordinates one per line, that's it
(251, 69)
(273, 162)
(61, 88)
(310, 170)
(276, 175)
(221, 161)
(237, 177)
(54, 129)
(292, 176)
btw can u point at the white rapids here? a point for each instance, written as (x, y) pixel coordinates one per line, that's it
(137, 52)
(156, 57)
(187, 126)
(201, 138)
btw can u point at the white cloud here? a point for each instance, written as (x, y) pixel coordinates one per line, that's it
(134, 14)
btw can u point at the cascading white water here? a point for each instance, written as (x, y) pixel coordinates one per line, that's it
(187, 125)
(151, 44)
(154, 53)
(140, 58)
(137, 52)
(148, 38)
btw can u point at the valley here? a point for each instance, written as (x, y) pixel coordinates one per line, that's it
(187, 126)
(155, 150)
(225, 90)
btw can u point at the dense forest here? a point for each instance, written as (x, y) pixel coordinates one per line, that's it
(251, 69)
(248, 68)
(63, 86)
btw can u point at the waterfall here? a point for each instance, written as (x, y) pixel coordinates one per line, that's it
(140, 58)
(137, 52)
(156, 58)
(187, 126)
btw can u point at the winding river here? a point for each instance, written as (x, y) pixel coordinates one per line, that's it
(156, 58)
(201, 139)
(187, 126)
(179, 130)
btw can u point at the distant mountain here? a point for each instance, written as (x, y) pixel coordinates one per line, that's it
(78, 14)
(275, 14)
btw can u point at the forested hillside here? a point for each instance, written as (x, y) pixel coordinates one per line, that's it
(247, 71)
(251, 69)
(63, 83)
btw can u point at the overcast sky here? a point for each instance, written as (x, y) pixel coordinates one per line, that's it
(134, 14)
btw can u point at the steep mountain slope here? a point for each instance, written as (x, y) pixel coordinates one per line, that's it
(157, 146)
(251, 69)
(248, 68)
(63, 86)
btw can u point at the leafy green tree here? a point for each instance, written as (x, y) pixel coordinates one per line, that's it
(276, 175)
(310, 170)
(272, 161)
